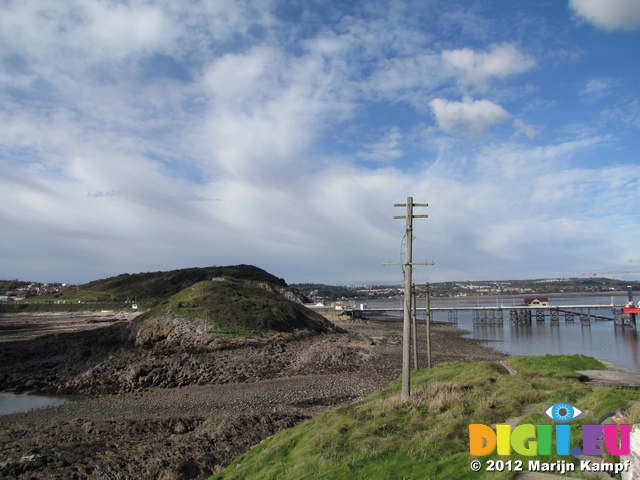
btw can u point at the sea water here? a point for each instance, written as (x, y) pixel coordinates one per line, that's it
(600, 339)
(16, 403)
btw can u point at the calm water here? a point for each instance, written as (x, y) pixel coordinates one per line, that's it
(12, 403)
(599, 340)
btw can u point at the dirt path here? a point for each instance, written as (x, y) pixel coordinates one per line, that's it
(192, 431)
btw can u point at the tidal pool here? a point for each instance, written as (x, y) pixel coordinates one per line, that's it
(16, 403)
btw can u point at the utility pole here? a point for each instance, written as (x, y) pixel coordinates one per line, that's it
(407, 265)
(427, 317)
(414, 327)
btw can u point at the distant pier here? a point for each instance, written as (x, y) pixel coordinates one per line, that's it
(517, 314)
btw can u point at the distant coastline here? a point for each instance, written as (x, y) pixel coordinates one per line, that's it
(509, 288)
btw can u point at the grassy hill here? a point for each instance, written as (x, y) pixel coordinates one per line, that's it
(383, 437)
(151, 288)
(164, 284)
(232, 306)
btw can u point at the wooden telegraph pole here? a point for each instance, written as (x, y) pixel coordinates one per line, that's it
(407, 265)
(414, 327)
(427, 317)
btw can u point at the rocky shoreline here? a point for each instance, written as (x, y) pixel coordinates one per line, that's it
(181, 410)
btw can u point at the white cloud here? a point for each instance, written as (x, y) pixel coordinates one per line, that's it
(81, 32)
(478, 68)
(124, 28)
(268, 106)
(470, 116)
(609, 14)
(242, 81)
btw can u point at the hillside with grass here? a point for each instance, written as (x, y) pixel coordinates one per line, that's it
(161, 285)
(146, 289)
(427, 437)
(228, 306)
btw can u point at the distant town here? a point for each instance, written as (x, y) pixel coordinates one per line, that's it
(468, 289)
(19, 291)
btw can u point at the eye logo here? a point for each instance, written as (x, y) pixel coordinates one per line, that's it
(563, 412)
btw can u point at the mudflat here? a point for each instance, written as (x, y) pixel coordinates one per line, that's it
(179, 412)
(19, 326)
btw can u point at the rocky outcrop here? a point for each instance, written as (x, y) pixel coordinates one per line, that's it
(188, 340)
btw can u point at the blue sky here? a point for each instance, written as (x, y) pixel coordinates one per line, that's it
(143, 136)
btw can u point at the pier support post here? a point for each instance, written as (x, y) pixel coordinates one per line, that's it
(519, 317)
(585, 318)
(630, 302)
(491, 316)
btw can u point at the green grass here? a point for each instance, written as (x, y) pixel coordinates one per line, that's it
(154, 287)
(238, 308)
(383, 437)
(561, 366)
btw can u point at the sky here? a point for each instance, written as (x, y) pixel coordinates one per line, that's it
(141, 136)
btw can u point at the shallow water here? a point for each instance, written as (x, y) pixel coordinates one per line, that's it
(15, 403)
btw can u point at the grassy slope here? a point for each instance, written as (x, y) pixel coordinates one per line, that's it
(382, 437)
(238, 308)
(154, 286)
(147, 289)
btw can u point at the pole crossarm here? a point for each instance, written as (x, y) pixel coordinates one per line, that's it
(413, 263)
